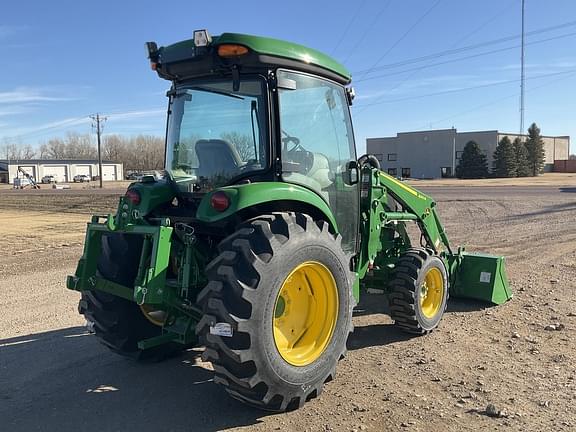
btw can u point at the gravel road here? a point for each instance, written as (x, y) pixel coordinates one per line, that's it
(55, 376)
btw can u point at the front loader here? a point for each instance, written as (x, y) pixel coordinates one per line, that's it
(266, 228)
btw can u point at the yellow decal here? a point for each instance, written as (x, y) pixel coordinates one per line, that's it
(403, 186)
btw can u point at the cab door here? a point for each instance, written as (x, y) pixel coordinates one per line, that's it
(318, 144)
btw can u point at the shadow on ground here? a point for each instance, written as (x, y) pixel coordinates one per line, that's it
(379, 334)
(65, 380)
(376, 335)
(467, 305)
(557, 208)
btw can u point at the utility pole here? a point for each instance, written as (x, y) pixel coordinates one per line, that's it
(522, 75)
(98, 125)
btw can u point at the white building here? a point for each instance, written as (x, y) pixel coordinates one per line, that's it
(63, 170)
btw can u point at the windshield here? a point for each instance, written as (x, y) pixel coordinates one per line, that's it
(216, 133)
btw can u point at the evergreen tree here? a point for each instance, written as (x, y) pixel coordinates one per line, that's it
(504, 159)
(535, 147)
(522, 168)
(472, 163)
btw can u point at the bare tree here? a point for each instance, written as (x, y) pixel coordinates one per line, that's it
(244, 144)
(114, 148)
(80, 147)
(14, 149)
(140, 153)
(53, 149)
(150, 151)
(74, 146)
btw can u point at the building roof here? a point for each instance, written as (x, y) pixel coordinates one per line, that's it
(53, 161)
(495, 131)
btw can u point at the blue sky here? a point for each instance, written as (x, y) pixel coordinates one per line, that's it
(64, 60)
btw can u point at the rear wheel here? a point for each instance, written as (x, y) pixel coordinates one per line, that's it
(418, 291)
(118, 323)
(278, 310)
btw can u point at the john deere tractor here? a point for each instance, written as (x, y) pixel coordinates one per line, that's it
(266, 228)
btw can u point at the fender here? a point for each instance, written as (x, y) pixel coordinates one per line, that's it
(253, 194)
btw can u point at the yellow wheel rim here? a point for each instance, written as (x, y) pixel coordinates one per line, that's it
(305, 313)
(432, 293)
(155, 316)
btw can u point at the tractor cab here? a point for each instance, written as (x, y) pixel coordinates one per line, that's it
(245, 109)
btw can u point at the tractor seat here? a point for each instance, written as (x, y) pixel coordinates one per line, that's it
(216, 156)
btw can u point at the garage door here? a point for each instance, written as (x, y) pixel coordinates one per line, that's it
(84, 170)
(108, 172)
(58, 171)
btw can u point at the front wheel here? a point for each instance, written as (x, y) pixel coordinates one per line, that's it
(418, 291)
(277, 310)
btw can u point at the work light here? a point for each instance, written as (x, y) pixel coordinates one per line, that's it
(201, 38)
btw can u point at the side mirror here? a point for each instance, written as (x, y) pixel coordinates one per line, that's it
(350, 95)
(352, 174)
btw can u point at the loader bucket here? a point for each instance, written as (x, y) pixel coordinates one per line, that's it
(481, 277)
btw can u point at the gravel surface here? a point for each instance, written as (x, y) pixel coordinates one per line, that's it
(511, 367)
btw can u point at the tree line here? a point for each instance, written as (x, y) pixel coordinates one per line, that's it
(137, 153)
(510, 159)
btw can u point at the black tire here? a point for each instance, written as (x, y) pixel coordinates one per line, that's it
(406, 290)
(245, 280)
(118, 323)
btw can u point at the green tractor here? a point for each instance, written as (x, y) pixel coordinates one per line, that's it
(266, 228)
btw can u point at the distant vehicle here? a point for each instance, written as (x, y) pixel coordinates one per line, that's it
(133, 176)
(21, 183)
(47, 179)
(157, 174)
(81, 178)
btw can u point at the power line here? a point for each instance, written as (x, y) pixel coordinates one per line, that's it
(368, 29)
(484, 24)
(461, 89)
(494, 102)
(406, 33)
(348, 27)
(466, 48)
(60, 125)
(380, 99)
(64, 124)
(418, 68)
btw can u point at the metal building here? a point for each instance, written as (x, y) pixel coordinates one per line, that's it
(63, 170)
(436, 153)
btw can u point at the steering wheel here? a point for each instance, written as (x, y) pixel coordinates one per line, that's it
(291, 139)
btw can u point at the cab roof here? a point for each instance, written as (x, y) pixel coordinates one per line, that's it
(263, 51)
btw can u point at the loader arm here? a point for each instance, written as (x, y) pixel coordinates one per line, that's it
(384, 239)
(421, 205)
(380, 220)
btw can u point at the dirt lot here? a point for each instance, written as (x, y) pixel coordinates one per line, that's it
(54, 376)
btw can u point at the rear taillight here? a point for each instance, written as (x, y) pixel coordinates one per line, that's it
(133, 196)
(219, 201)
